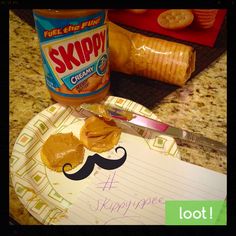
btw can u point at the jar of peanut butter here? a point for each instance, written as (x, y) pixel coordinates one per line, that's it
(74, 49)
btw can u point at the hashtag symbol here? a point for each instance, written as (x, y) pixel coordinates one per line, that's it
(109, 183)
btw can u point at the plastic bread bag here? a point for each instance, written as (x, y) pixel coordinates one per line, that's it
(150, 57)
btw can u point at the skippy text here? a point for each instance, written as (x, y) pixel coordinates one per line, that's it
(70, 54)
(123, 207)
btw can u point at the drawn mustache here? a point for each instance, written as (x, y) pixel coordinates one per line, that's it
(88, 167)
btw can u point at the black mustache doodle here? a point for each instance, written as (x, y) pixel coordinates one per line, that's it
(88, 167)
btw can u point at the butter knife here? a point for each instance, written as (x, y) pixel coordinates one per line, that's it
(144, 122)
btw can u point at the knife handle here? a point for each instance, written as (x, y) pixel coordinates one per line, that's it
(200, 139)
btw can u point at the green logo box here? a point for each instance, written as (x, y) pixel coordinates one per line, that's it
(195, 212)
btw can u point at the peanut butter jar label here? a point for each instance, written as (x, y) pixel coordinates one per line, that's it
(74, 53)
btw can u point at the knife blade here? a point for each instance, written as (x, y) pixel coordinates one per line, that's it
(155, 125)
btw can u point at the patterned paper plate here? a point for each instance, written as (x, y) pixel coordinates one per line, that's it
(46, 194)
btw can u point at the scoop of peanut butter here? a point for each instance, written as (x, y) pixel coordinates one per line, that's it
(99, 135)
(60, 149)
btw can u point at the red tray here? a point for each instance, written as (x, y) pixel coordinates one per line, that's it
(148, 21)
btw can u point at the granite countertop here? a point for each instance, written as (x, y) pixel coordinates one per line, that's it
(199, 106)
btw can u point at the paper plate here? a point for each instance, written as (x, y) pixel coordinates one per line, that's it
(48, 195)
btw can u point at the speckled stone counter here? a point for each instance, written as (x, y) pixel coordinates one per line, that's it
(200, 106)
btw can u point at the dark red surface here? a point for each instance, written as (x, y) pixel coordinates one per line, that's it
(148, 21)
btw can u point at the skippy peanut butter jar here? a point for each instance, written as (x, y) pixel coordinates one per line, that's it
(74, 49)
